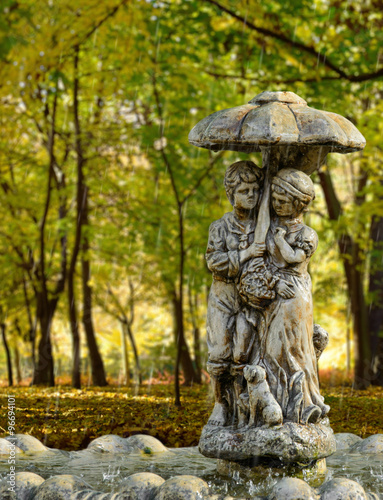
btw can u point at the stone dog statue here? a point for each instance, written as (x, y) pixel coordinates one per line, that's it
(262, 404)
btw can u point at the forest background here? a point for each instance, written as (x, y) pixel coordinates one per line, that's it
(105, 207)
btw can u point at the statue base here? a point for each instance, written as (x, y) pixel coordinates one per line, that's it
(290, 443)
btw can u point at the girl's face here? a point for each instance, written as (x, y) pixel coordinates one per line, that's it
(283, 204)
(246, 195)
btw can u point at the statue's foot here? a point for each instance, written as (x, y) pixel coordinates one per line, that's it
(325, 410)
(219, 416)
(242, 422)
(311, 414)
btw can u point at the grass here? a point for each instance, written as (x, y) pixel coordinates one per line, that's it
(66, 418)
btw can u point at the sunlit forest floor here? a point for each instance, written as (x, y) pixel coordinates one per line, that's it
(66, 418)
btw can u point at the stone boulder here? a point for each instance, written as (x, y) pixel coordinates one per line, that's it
(183, 488)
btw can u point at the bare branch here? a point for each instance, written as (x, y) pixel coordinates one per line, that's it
(299, 45)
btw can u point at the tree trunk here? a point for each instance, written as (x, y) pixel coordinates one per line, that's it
(184, 354)
(193, 306)
(98, 372)
(76, 346)
(375, 312)
(17, 365)
(80, 195)
(125, 354)
(16, 350)
(8, 355)
(44, 369)
(350, 253)
(135, 351)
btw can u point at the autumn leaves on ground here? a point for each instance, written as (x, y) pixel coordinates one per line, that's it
(69, 419)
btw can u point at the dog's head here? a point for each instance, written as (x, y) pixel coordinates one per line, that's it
(254, 374)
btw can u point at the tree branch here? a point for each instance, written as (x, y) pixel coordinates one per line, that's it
(255, 78)
(101, 22)
(299, 45)
(212, 162)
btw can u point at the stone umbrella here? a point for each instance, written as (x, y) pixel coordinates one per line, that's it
(289, 134)
(279, 122)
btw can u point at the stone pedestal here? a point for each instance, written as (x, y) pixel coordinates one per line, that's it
(290, 443)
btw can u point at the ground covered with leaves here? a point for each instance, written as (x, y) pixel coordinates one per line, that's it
(69, 419)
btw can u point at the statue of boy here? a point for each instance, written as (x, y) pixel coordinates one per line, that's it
(230, 246)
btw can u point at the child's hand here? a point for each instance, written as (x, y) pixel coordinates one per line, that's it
(257, 249)
(284, 289)
(280, 233)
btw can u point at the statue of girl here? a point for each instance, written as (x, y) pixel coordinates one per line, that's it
(286, 348)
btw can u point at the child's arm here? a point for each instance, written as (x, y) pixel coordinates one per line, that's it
(290, 255)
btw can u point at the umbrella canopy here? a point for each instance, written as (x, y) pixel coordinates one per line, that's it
(282, 120)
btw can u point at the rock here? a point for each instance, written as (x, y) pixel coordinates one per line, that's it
(5, 494)
(96, 495)
(372, 444)
(290, 443)
(111, 443)
(141, 486)
(60, 488)
(372, 496)
(26, 443)
(147, 444)
(26, 484)
(342, 488)
(345, 440)
(291, 488)
(227, 497)
(183, 488)
(7, 447)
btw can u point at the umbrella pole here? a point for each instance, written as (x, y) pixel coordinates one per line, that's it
(270, 162)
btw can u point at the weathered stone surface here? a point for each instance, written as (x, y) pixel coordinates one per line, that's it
(372, 444)
(291, 443)
(345, 440)
(342, 489)
(28, 444)
(141, 486)
(6, 447)
(111, 443)
(225, 497)
(275, 118)
(60, 488)
(183, 488)
(5, 494)
(97, 495)
(290, 488)
(147, 444)
(373, 496)
(26, 485)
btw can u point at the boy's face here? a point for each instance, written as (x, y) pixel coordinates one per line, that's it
(246, 195)
(283, 204)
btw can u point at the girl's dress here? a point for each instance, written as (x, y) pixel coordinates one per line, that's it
(284, 346)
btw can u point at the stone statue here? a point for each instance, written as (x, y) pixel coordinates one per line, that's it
(230, 245)
(285, 347)
(260, 329)
(276, 339)
(262, 342)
